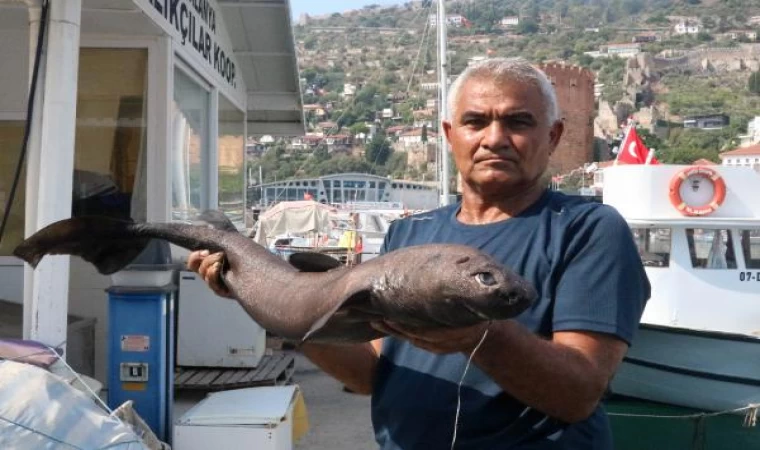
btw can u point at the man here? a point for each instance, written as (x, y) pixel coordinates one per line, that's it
(536, 380)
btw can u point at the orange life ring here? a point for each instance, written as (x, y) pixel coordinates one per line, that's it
(719, 188)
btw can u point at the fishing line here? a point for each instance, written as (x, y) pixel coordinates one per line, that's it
(29, 112)
(461, 381)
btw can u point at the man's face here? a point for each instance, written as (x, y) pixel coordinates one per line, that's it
(500, 136)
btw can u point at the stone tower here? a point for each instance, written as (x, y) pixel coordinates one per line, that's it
(575, 94)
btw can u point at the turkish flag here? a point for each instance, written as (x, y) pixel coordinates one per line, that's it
(633, 151)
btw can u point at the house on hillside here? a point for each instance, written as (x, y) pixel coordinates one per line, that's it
(414, 137)
(454, 20)
(753, 133)
(707, 121)
(747, 156)
(316, 109)
(691, 26)
(509, 22)
(646, 37)
(750, 35)
(623, 50)
(326, 126)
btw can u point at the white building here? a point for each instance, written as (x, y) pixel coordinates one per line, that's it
(625, 50)
(429, 86)
(509, 21)
(687, 27)
(455, 20)
(414, 137)
(349, 90)
(746, 156)
(753, 133)
(148, 104)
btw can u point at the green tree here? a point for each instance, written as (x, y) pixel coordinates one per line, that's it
(527, 26)
(753, 84)
(378, 150)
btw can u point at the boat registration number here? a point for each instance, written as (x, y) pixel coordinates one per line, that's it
(749, 276)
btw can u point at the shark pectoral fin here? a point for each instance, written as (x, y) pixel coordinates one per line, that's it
(313, 262)
(359, 298)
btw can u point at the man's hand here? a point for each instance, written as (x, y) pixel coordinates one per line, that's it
(439, 340)
(209, 267)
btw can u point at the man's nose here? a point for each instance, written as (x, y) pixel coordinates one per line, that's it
(496, 136)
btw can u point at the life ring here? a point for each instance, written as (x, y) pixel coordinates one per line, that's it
(719, 191)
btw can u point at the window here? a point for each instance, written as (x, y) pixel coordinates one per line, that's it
(711, 248)
(653, 245)
(189, 158)
(109, 148)
(750, 243)
(11, 136)
(231, 157)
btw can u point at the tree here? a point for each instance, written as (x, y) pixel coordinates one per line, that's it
(753, 84)
(527, 26)
(378, 150)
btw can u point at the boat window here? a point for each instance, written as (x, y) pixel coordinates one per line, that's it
(750, 243)
(653, 245)
(711, 248)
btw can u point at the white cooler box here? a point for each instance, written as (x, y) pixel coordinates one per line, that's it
(259, 418)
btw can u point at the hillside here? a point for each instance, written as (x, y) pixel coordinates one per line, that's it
(372, 72)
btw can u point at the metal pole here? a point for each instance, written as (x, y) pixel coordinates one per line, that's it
(442, 103)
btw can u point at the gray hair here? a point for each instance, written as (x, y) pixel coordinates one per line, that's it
(513, 69)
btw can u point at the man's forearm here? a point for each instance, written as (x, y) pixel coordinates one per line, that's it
(555, 378)
(353, 365)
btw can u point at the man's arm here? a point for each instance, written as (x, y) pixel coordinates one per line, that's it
(564, 377)
(353, 365)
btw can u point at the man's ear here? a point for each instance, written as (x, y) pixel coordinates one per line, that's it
(555, 134)
(446, 129)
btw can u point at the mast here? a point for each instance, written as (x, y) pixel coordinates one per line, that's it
(443, 148)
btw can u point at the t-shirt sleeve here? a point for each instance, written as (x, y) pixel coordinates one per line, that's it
(601, 285)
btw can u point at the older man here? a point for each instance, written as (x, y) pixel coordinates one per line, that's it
(536, 380)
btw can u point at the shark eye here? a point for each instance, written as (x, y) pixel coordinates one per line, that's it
(486, 278)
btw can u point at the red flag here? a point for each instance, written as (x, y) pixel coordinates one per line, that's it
(633, 151)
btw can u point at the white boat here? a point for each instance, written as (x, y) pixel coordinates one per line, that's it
(699, 339)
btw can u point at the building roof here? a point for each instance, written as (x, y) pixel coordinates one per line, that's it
(418, 132)
(753, 150)
(262, 38)
(704, 162)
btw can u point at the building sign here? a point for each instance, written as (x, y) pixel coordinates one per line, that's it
(195, 21)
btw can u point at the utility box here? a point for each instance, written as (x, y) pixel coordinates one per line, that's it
(141, 340)
(259, 418)
(140, 353)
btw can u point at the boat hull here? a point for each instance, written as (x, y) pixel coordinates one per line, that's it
(704, 370)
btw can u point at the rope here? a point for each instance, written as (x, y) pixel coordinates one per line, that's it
(461, 381)
(750, 418)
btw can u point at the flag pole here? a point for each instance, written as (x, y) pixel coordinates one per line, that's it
(622, 141)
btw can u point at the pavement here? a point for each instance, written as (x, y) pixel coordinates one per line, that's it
(337, 420)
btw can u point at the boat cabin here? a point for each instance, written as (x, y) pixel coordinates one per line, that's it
(698, 234)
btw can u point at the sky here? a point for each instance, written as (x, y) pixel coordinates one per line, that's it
(299, 7)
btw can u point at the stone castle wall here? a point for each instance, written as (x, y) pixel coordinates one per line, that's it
(575, 93)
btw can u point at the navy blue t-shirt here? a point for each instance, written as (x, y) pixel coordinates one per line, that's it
(583, 261)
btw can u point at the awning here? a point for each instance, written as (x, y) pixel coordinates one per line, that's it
(262, 38)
